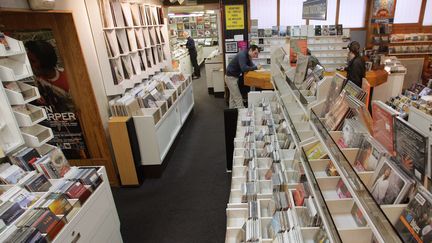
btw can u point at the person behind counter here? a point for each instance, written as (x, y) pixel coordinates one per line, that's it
(356, 69)
(190, 45)
(240, 64)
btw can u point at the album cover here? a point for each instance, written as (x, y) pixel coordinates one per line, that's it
(411, 147)
(318, 30)
(358, 216)
(353, 133)
(415, 222)
(389, 185)
(342, 190)
(268, 32)
(383, 119)
(331, 169)
(337, 112)
(369, 155)
(316, 152)
(336, 85)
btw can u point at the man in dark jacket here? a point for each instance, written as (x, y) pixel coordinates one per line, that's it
(241, 63)
(190, 45)
(356, 69)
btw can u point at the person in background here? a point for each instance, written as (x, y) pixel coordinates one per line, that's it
(312, 61)
(190, 45)
(356, 69)
(241, 63)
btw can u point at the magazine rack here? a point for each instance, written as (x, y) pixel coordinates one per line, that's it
(15, 66)
(94, 221)
(379, 220)
(163, 123)
(132, 41)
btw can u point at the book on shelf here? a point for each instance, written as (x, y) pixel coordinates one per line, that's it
(383, 124)
(283, 31)
(38, 182)
(412, 148)
(268, 32)
(117, 13)
(127, 14)
(10, 211)
(331, 169)
(275, 31)
(25, 157)
(317, 30)
(134, 8)
(317, 151)
(353, 133)
(301, 192)
(337, 112)
(369, 155)
(415, 222)
(337, 84)
(358, 216)
(25, 234)
(342, 190)
(10, 174)
(56, 203)
(106, 12)
(389, 184)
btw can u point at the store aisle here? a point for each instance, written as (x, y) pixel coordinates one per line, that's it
(188, 203)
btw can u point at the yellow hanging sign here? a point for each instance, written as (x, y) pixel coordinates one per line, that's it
(234, 17)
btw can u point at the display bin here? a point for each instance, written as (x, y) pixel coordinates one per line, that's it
(13, 68)
(15, 48)
(236, 217)
(155, 113)
(36, 135)
(328, 188)
(36, 115)
(28, 94)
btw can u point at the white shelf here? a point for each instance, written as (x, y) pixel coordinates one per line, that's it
(10, 135)
(15, 48)
(163, 126)
(31, 117)
(15, 67)
(28, 94)
(36, 135)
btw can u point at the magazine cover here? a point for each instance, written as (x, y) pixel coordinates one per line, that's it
(415, 222)
(382, 116)
(411, 148)
(389, 184)
(369, 155)
(342, 190)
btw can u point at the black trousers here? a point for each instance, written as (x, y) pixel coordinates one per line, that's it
(194, 61)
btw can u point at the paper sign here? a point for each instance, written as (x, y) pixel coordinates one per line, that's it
(238, 38)
(234, 17)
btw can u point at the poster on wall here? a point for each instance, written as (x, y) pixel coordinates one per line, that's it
(51, 80)
(315, 9)
(234, 17)
(383, 9)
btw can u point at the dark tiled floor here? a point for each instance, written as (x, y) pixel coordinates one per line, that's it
(188, 203)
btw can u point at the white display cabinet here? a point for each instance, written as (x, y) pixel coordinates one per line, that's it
(331, 51)
(14, 65)
(379, 221)
(163, 126)
(130, 41)
(94, 221)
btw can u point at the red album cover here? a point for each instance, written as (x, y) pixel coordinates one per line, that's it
(383, 127)
(342, 190)
(299, 195)
(78, 191)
